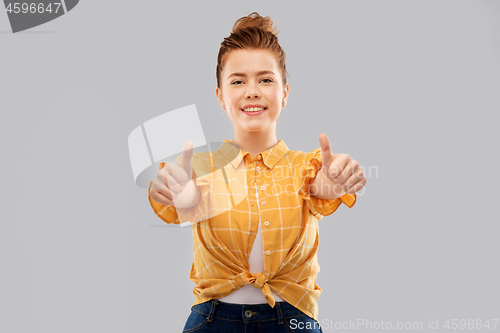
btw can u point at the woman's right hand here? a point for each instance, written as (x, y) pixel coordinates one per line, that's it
(173, 185)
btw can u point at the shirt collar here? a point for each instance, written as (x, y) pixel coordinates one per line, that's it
(270, 157)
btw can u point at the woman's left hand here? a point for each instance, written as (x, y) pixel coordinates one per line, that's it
(341, 169)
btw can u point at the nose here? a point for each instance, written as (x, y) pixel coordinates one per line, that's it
(252, 91)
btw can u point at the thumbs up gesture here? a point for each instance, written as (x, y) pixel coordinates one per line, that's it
(174, 185)
(341, 169)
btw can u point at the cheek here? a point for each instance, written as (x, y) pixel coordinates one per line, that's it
(275, 94)
(234, 101)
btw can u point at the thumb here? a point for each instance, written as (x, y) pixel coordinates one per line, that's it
(186, 158)
(326, 153)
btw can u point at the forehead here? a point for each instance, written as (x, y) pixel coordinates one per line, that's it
(249, 62)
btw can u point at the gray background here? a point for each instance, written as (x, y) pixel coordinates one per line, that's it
(408, 88)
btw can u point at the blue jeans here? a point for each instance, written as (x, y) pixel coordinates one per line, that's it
(221, 317)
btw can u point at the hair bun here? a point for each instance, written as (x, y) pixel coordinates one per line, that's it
(255, 20)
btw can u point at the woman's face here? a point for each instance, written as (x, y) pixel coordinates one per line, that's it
(252, 77)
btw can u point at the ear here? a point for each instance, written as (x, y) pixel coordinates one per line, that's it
(218, 94)
(285, 93)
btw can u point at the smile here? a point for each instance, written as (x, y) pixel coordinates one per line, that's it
(253, 111)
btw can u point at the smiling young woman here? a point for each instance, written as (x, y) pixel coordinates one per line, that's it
(252, 92)
(255, 264)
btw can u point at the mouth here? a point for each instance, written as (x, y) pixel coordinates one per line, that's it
(253, 111)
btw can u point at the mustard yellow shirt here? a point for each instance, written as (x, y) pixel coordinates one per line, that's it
(225, 223)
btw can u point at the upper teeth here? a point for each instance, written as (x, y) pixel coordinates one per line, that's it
(253, 109)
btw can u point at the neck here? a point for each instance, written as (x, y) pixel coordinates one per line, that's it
(255, 142)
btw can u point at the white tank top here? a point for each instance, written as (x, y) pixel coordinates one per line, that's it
(248, 294)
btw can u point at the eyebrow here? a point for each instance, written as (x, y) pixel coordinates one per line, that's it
(258, 73)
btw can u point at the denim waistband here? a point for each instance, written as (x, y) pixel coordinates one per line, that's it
(247, 313)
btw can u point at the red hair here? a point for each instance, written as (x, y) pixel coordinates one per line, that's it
(252, 32)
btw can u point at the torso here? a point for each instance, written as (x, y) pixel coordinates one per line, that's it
(248, 294)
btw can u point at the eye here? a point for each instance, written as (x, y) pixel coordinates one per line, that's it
(236, 81)
(268, 80)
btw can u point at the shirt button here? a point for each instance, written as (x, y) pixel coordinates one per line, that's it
(268, 252)
(262, 188)
(266, 223)
(257, 168)
(263, 202)
(259, 157)
(248, 313)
